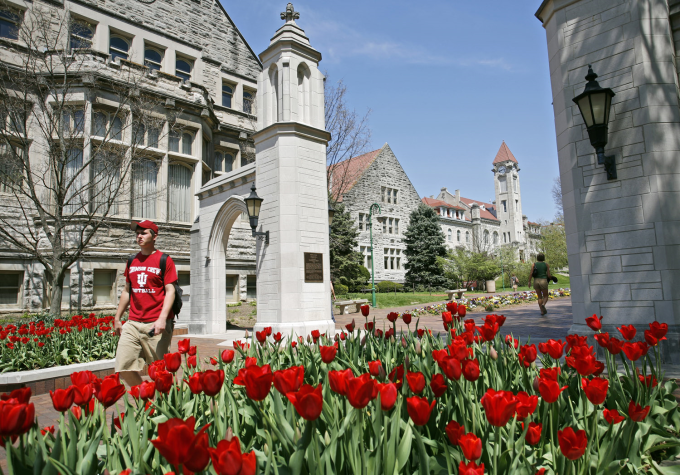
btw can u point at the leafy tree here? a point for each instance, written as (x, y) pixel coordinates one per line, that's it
(553, 244)
(346, 268)
(424, 241)
(462, 266)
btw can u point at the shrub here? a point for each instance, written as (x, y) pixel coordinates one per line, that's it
(387, 286)
(340, 289)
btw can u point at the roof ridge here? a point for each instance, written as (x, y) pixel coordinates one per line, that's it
(504, 154)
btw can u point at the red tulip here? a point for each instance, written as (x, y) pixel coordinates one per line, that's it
(191, 361)
(613, 416)
(22, 395)
(350, 326)
(636, 412)
(635, 351)
(147, 390)
(470, 468)
(268, 330)
(659, 330)
(227, 356)
(627, 331)
(180, 446)
(526, 405)
(614, 345)
(212, 381)
(416, 381)
(527, 355)
(438, 385)
(595, 389)
(584, 365)
(421, 332)
(289, 380)
(172, 361)
(327, 353)
(454, 432)
(261, 337)
(419, 409)
(462, 311)
(82, 394)
(110, 391)
(83, 378)
(451, 367)
(183, 346)
(602, 339)
(439, 354)
(594, 323)
(337, 381)
(368, 326)
(195, 383)
(488, 332)
(163, 381)
(572, 444)
(227, 458)
(392, 316)
(365, 310)
(550, 390)
(374, 367)
(154, 367)
(360, 390)
(470, 369)
(447, 319)
(388, 395)
(308, 401)
(258, 381)
(45, 430)
(533, 436)
(397, 376)
(77, 411)
(499, 406)
(555, 348)
(471, 445)
(510, 341)
(277, 336)
(16, 418)
(406, 318)
(649, 381)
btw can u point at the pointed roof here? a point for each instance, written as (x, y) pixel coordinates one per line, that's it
(346, 174)
(504, 154)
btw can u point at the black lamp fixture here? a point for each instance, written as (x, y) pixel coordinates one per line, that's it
(331, 213)
(594, 103)
(253, 204)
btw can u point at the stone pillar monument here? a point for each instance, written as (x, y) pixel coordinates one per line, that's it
(623, 235)
(293, 277)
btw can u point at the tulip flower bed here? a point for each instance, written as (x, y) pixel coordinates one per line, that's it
(37, 345)
(367, 403)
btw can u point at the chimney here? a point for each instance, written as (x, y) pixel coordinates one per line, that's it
(457, 196)
(475, 213)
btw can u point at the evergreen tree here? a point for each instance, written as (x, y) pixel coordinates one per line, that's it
(424, 240)
(346, 265)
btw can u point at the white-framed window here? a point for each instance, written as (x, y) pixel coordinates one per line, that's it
(107, 123)
(73, 121)
(181, 142)
(145, 136)
(458, 235)
(467, 236)
(179, 192)
(396, 226)
(66, 289)
(74, 201)
(11, 167)
(224, 161)
(10, 21)
(363, 217)
(144, 188)
(105, 178)
(389, 195)
(449, 235)
(384, 223)
(103, 288)
(153, 58)
(119, 47)
(227, 94)
(183, 68)
(82, 34)
(248, 100)
(10, 287)
(390, 226)
(486, 237)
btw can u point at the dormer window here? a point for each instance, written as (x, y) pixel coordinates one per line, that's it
(119, 47)
(153, 59)
(183, 69)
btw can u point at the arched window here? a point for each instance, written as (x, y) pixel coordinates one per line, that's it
(144, 188)
(495, 237)
(183, 69)
(467, 236)
(227, 95)
(304, 96)
(458, 236)
(247, 102)
(179, 193)
(119, 47)
(81, 35)
(153, 59)
(486, 237)
(450, 234)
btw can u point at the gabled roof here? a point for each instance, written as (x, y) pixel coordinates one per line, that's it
(483, 213)
(346, 174)
(504, 154)
(440, 204)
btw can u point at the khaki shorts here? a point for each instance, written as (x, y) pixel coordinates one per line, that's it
(540, 284)
(137, 349)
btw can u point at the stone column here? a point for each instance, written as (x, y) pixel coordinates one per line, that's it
(623, 235)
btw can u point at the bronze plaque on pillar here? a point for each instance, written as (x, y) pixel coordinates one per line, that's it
(313, 267)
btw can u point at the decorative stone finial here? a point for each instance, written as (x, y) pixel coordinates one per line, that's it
(290, 14)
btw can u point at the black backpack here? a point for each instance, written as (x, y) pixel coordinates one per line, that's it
(177, 304)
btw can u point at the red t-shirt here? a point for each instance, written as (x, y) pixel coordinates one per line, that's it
(147, 288)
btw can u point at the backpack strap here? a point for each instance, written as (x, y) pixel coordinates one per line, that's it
(164, 259)
(129, 263)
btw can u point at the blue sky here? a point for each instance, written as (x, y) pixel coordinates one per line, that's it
(447, 82)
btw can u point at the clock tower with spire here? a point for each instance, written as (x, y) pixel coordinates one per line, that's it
(508, 196)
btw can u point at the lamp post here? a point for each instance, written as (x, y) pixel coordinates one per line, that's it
(253, 204)
(370, 226)
(594, 103)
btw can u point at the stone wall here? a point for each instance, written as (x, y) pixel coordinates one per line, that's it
(623, 235)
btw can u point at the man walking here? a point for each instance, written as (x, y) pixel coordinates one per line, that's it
(147, 334)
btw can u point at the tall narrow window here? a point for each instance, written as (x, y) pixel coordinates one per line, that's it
(144, 188)
(173, 141)
(219, 158)
(138, 134)
(486, 237)
(390, 226)
(384, 223)
(361, 221)
(247, 102)
(396, 226)
(495, 237)
(502, 181)
(9, 23)
(81, 35)
(458, 236)
(514, 184)
(394, 196)
(153, 59)
(103, 286)
(100, 124)
(227, 95)
(72, 180)
(228, 162)
(304, 96)
(183, 69)
(11, 167)
(153, 135)
(467, 236)
(505, 206)
(119, 47)
(450, 235)
(179, 193)
(187, 143)
(117, 128)
(106, 182)
(251, 287)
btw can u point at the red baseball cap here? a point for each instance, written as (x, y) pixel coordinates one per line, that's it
(146, 224)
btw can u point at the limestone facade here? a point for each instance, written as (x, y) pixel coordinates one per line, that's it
(219, 120)
(623, 235)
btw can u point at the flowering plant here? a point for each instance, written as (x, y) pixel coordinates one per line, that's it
(473, 402)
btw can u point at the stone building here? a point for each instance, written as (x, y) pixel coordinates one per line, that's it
(188, 56)
(377, 177)
(623, 235)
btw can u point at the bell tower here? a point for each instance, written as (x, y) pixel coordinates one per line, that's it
(508, 196)
(293, 275)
